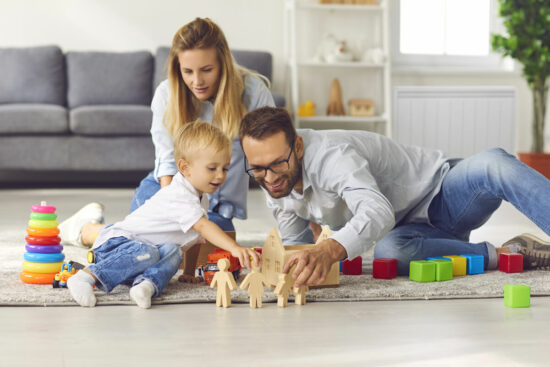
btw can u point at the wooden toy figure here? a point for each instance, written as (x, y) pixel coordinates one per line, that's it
(254, 283)
(225, 283)
(300, 295)
(335, 105)
(283, 288)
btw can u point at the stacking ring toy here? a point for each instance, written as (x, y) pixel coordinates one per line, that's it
(43, 216)
(37, 223)
(33, 240)
(44, 258)
(36, 278)
(32, 267)
(39, 249)
(43, 208)
(44, 232)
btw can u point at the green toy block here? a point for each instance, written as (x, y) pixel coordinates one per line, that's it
(517, 295)
(422, 271)
(443, 269)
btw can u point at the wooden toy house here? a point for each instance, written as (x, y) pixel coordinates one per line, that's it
(275, 255)
(361, 107)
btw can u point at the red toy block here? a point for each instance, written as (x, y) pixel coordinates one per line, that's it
(384, 268)
(353, 267)
(510, 263)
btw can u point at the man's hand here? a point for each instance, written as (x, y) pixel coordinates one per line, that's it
(313, 265)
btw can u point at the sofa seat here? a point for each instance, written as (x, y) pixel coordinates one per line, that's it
(111, 120)
(37, 118)
(76, 153)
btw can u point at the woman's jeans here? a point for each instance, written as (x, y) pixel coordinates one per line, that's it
(149, 186)
(471, 191)
(120, 260)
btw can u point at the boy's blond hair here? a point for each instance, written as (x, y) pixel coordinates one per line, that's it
(199, 135)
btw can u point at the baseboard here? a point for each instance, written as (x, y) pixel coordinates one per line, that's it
(49, 179)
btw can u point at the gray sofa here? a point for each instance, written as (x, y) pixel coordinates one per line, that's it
(82, 117)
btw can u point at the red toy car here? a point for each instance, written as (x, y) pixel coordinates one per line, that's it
(212, 265)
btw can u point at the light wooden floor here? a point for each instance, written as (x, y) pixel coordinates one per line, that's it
(383, 333)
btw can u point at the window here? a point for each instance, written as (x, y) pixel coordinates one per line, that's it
(446, 34)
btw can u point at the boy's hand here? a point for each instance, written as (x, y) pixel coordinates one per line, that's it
(244, 254)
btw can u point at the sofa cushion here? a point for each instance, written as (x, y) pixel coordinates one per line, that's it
(33, 119)
(259, 61)
(161, 67)
(32, 75)
(110, 120)
(100, 78)
(76, 153)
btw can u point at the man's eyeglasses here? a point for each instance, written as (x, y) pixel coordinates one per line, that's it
(275, 167)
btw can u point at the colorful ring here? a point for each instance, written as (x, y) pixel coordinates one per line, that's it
(34, 240)
(44, 258)
(32, 267)
(36, 278)
(41, 249)
(37, 223)
(43, 208)
(42, 232)
(43, 216)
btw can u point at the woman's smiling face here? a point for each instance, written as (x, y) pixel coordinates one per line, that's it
(200, 70)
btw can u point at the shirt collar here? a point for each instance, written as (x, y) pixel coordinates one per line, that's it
(187, 184)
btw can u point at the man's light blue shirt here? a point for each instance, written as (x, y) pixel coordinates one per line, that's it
(360, 184)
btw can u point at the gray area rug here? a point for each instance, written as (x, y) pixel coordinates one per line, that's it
(352, 288)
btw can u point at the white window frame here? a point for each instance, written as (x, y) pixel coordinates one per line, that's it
(491, 62)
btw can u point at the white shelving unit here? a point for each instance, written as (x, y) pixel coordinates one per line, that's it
(307, 22)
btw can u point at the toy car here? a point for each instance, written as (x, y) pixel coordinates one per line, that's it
(212, 264)
(60, 279)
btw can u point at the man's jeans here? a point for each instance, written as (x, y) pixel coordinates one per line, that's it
(149, 187)
(121, 260)
(470, 193)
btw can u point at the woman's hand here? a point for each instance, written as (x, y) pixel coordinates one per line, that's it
(165, 181)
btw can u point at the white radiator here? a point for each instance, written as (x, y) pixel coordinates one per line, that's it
(460, 121)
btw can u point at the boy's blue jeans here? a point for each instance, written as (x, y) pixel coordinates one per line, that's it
(472, 190)
(149, 186)
(121, 260)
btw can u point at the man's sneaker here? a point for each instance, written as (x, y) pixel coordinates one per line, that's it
(71, 229)
(536, 252)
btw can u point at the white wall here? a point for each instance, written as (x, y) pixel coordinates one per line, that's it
(128, 25)
(122, 25)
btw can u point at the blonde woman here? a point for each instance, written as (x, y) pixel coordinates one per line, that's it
(203, 83)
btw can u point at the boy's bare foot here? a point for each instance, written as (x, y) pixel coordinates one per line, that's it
(188, 278)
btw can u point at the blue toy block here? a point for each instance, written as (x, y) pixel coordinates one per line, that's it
(475, 264)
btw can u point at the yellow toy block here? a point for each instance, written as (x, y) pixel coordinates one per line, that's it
(459, 265)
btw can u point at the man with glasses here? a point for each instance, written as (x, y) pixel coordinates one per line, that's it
(411, 202)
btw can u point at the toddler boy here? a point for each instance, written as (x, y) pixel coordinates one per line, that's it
(145, 247)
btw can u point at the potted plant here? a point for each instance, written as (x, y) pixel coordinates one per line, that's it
(527, 23)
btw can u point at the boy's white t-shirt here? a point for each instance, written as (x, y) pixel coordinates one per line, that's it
(167, 217)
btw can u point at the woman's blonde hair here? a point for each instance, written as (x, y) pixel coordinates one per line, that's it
(183, 106)
(198, 136)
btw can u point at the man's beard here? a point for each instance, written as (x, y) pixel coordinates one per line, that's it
(290, 177)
